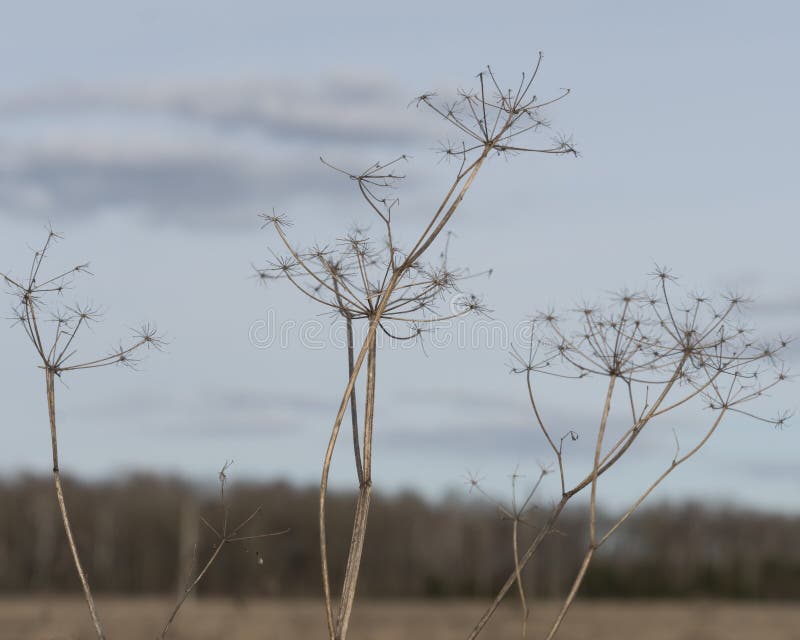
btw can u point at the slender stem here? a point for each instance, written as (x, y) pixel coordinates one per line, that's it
(556, 450)
(369, 412)
(605, 466)
(362, 508)
(610, 460)
(572, 593)
(353, 562)
(190, 587)
(425, 240)
(62, 505)
(596, 545)
(592, 513)
(518, 571)
(596, 466)
(675, 463)
(353, 403)
(523, 560)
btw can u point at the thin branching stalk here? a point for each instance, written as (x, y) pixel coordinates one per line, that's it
(39, 299)
(546, 528)
(690, 351)
(392, 285)
(224, 537)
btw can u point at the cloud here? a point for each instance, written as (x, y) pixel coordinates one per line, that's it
(213, 414)
(206, 155)
(186, 185)
(348, 109)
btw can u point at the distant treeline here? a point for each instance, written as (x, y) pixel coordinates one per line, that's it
(143, 534)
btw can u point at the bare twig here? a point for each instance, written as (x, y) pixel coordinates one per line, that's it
(223, 537)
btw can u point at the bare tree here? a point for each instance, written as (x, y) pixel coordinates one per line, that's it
(658, 356)
(39, 301)
(385, 285)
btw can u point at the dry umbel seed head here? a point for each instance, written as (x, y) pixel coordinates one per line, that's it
(351, 277)
(658, 353)
(53, 327)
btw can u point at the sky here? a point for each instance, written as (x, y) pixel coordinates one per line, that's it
(153, 135)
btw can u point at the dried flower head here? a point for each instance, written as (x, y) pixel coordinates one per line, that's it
(37, 298)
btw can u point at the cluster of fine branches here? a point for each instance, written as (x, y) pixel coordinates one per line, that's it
(658, 355)
(393, 289)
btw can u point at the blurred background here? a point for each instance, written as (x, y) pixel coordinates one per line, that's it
(153, 134)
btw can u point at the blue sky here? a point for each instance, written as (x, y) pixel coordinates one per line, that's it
(153, 135)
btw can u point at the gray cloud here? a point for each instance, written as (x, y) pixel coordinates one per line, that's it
(184, 185)
(208, 155)
(345, 109)
(220, 414)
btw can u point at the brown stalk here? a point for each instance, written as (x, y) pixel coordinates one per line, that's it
(368, 344)
(523, 600)
(62, 506)
(362, 506)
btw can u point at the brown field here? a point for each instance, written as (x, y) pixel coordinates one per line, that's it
(212, 619)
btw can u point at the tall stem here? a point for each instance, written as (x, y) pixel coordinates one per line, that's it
(353, 403)
(601, 432)
(576, 584)
(51, 408)
(587, 559)
(518, 571)
(428, 236)
(362, 507)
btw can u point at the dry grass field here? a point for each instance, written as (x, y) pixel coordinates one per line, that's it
(212, 619)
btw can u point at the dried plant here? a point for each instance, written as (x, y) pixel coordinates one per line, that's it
(379, 282)
(224, 535)
(53, 329)
(658, 355)
(520, 513)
